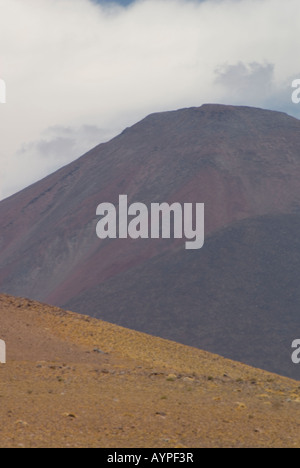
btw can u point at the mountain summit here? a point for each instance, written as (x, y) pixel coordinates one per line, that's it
(238, 296)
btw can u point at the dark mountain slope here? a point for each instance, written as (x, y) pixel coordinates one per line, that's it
(239, 296)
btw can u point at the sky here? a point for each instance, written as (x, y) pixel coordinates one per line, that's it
(77, 72)
(120, 2)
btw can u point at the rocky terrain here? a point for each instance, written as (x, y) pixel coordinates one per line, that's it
(74, 381)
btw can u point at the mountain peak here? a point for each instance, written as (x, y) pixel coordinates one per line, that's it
(242, 163)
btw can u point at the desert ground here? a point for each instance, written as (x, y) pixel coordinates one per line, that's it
(74, 381)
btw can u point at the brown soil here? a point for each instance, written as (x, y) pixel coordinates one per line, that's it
(73, 381)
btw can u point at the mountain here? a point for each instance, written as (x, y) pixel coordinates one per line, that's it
(74, 381)
(237, 296)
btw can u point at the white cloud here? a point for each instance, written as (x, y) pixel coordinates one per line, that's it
(253, 81)
(70, 66)
(56, 147)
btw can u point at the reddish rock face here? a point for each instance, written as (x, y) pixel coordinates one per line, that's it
(241, 162)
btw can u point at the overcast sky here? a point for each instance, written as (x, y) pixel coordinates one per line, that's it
(79, 71)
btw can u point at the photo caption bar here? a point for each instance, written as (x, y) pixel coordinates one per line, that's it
(146, 457)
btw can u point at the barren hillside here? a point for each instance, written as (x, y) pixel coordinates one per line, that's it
(74, 381)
